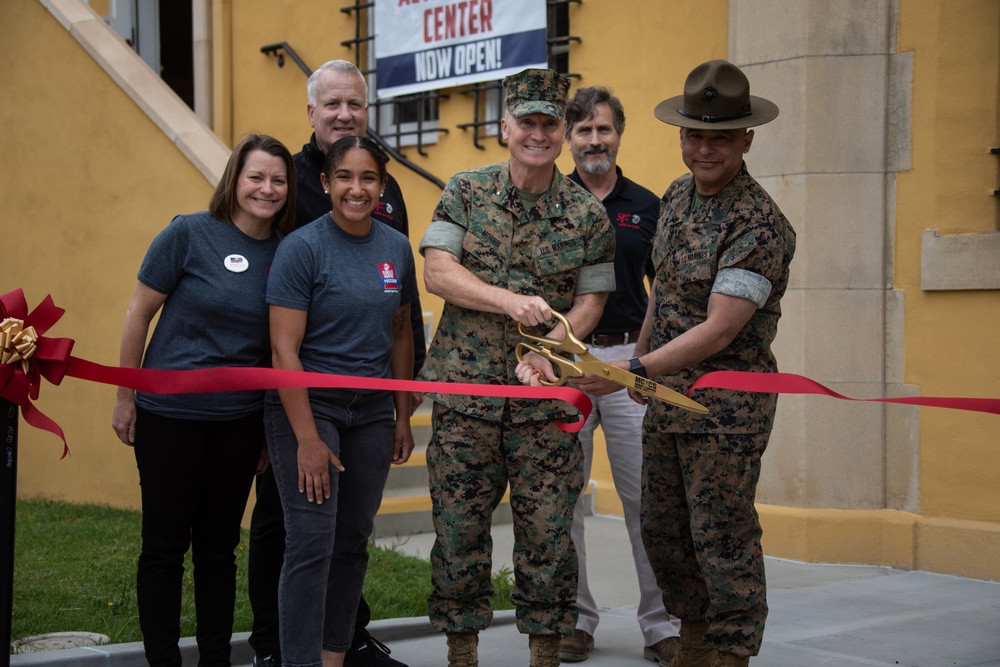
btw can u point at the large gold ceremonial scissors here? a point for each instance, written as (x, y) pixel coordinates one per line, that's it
(550, 348)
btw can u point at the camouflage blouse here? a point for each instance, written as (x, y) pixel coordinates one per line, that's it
(740, 227)
(538, 252)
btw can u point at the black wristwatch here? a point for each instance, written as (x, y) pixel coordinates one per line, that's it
(635, 366)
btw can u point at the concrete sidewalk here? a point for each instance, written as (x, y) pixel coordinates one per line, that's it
(821, 616)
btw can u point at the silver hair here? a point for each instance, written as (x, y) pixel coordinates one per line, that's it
(336, 66)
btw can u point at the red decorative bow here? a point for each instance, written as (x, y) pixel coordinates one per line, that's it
(27, 356)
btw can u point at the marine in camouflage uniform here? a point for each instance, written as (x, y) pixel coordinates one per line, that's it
(721, 256)
(559, 251)
(700, 472)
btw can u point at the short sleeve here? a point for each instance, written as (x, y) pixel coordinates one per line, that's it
(163, 265)
(289, 283)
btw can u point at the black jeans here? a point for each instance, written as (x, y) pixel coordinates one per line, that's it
(195, 478)
(267, 553)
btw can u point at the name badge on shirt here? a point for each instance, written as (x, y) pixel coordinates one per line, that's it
(236, 263)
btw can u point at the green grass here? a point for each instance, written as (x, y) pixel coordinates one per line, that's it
(74, 570)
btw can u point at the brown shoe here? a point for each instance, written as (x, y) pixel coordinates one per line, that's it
(544, 650)
(693, 652)
(463, 649)
(726, 659)
(576, 647)
(662, 651)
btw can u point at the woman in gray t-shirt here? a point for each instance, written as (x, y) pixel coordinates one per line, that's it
(197, 453)
(340, 292)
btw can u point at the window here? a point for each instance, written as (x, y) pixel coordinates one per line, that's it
(487, 101)
(413, 120)
(488, 97)
(409, 120)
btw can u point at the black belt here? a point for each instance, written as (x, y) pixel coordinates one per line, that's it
(607, 340)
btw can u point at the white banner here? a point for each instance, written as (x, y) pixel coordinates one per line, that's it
(430, 44)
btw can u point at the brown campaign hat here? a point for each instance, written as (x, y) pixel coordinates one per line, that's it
(716, 97)
(536, 91)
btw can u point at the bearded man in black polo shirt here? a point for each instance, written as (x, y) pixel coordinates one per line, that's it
(595, 121)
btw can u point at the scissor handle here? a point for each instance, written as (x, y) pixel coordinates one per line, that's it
(569, 343)
(567, 368)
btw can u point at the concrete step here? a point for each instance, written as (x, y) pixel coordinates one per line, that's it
(420, 425)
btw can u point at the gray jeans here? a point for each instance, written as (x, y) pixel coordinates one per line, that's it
(326, 546)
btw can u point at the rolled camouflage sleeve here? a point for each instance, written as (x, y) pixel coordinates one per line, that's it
(598, 272)
(596, 278)
(445, 236)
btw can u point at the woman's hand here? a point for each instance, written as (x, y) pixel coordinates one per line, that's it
(144, 305)
(123, 421)
(315, 459)
(402, 445)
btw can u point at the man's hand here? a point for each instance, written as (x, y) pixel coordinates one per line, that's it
(533, 368)
(528, 310)
(416, 398)
(637, 397)
(595, 385)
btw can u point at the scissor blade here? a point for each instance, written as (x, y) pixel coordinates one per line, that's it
(644, 386)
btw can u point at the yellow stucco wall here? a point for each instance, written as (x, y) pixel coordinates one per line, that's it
(948, 348)
(88, 181)
(950, 336)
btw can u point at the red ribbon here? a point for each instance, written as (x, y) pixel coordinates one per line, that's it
(155, 381)
(52, 360)
(789, 383)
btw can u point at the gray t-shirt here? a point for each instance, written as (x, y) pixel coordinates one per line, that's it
(351, 287)
(215, 277)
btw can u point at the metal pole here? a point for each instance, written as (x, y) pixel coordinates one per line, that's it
(8, 500)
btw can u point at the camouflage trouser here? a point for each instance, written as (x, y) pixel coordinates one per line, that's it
(701, 531)
(470, 462)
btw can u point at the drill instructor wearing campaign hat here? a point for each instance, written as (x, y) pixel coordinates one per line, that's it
(721, 256)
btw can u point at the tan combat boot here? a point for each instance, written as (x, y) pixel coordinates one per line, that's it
(544, 650)
(694, 651)
(463, 649)
(726, 659)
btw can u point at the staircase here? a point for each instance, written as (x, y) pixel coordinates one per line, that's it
(406, 501)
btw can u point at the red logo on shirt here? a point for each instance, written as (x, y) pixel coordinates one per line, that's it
(628, 220)
(383, 209)
(388, 272)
